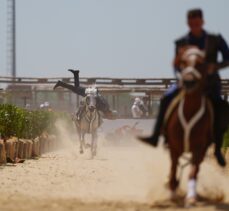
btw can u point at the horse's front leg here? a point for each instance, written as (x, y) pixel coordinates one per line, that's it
(191, 196)
(81, 142)
(191, 192)
(94, 144)
(173, 182)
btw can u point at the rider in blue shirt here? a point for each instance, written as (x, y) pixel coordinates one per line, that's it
(212, 45)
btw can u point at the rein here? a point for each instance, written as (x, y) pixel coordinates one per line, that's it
(192, 70)
(187, 126)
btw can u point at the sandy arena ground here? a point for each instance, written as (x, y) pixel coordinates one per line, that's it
(124, 176)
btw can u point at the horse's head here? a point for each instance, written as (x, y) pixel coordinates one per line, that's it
(91, 98)
(191, 64)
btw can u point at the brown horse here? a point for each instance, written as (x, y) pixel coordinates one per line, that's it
(189, 124)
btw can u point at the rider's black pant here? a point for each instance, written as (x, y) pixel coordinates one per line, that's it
(164, 103)
(102, 103)
(220, 107)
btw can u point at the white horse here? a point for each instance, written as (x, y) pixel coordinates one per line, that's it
(89, 121)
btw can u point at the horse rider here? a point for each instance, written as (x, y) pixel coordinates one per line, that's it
(138, 109)
(212, 44)
(102, 104)
(90, 91)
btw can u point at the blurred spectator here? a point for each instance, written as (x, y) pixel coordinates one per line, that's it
(138, 109)
(45, 106)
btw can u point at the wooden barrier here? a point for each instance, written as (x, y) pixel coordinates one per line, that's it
(2, 152)
(14, 148)
(11, 148)
(36, 148)
(27, 149)
(21, 144)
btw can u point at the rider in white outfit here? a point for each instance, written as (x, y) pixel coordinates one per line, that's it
(138, 109)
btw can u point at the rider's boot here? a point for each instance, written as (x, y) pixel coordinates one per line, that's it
(164, 104)
(76, 77)
(59, 83)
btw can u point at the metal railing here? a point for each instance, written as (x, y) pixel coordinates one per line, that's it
(119, 92)
(152, 85)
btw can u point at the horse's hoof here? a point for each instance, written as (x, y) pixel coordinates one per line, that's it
(190, 202)
(173, 196)
(81, 151)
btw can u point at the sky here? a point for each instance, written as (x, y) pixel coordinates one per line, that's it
(103, 38)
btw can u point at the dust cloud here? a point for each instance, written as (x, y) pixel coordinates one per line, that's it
(125, 174)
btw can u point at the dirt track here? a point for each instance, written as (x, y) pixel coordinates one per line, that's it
(127, 176)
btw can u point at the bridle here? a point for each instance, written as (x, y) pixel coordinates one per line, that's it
(190, 75)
